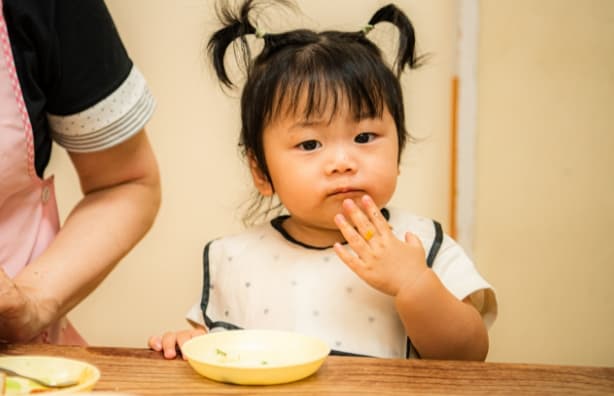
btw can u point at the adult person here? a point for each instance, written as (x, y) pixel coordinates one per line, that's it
(65, 76)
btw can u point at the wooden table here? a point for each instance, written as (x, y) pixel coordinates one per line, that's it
(144, 372)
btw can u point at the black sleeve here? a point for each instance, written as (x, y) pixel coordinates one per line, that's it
(92, 59)
(68, 56)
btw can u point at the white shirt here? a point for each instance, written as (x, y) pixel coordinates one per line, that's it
(259, 280)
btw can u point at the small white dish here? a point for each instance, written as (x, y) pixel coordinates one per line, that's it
(49, 368)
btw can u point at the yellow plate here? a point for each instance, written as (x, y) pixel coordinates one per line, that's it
(255, 357)
(48, 368)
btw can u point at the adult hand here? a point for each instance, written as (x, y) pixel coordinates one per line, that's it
(18, 312)
(381, 259)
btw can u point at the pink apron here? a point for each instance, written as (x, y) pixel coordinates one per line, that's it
(28, 212)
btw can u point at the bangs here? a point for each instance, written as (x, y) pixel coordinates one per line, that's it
(317, 86)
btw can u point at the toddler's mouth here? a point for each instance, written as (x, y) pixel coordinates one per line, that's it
(346, 191)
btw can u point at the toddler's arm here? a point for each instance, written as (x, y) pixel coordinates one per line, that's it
(170, 342)
(439, 325)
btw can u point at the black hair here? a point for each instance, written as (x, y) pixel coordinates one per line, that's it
(327, 66)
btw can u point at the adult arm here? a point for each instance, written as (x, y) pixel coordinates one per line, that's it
(121, 190)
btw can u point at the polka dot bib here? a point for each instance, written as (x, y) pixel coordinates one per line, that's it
(259, 279)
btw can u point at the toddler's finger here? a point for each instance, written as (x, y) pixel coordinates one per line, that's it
(349, 259)
(169, 341)
(375, 215)
(359, 219)
(182, 337)
(413, 240)
(155, 343)
(355, 240)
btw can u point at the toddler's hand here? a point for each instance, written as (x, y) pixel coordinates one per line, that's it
(381, 260)
(170, 343)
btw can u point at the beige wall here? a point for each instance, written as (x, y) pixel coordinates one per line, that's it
(545, 194)
(194, 133)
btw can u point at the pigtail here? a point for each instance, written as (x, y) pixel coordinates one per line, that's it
(407, 40)
(236, 26)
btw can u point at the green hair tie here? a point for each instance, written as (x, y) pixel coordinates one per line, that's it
(260, 33)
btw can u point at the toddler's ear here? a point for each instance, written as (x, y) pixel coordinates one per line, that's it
(260, 180)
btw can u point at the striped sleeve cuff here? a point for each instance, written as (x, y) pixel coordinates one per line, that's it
(109, 122)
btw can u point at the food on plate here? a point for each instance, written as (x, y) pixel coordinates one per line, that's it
(255, 357)
(225, 357)
(63, 375)
(20, 386)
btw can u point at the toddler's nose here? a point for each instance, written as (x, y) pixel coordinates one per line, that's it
(341, 162)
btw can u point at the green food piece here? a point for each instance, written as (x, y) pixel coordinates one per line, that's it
(220, 352)
(12, 385)
(20, 386)
(264, 362)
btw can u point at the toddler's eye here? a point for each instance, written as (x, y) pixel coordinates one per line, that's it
(364, 137)
(309, 145)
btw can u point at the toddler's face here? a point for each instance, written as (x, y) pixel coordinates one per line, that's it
(315, 164)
